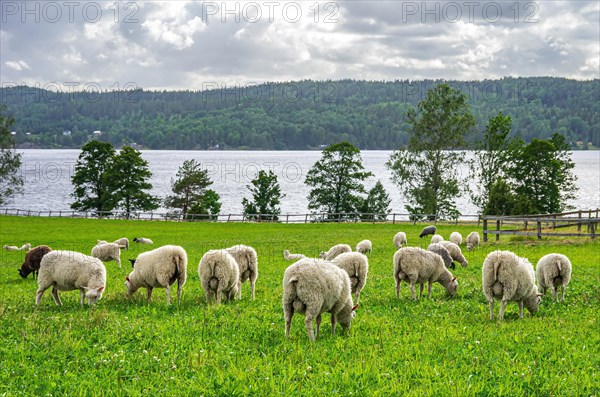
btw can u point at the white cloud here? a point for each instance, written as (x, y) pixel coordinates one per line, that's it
(17, 65)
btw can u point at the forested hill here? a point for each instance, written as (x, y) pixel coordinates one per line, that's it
(294, 115)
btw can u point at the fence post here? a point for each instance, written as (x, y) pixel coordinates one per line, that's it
(539, 230)
(593, 231)
(485, 238)
(579, 223)
(498, 229)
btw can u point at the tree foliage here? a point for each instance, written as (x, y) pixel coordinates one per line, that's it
(11, 181)
(337, 180)
(376, 205)
(189, 190)
(426, 172)
(266, 197)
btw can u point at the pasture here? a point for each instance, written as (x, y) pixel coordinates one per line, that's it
(437, 347)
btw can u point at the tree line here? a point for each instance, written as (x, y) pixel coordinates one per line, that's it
(295, 115)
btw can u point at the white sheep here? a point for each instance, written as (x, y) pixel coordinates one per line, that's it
(472, 240)
(508, 277)
(399, 239)
(436, 238)
(551, 271)
(313, 287)
(159, 268)
(443, 252)
(25, 247)
(335, 251)
(416, 265)
(357, 267)
(107, 252)
(68, 271)
(292, 257)
(123, 242)
(455, 253)
(143, 240)
(364, 246)
(11, 248)
(98, 242)
(456, 238)
(247, 261)
(219, 275)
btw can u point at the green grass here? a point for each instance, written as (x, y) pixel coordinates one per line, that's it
(396, 347)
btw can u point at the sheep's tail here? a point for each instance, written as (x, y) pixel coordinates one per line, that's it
(558, 264)
(180, 269)
(496, 266)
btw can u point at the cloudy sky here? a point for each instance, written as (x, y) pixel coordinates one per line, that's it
(195, 45)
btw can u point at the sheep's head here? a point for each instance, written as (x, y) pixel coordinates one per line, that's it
(132, 262)
(452, 287)
(323, 254)
(23, 272)
(345, 317)
(93, 295)
(532, 302)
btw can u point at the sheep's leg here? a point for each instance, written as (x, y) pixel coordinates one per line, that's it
(218, 294)
(168, 291)
(38, 295)
(288, 313)
(397, 287)
(412, 290)
(118, 260)
(57, 298)
(421, 286)
(554, 293)
(333, 323)
(502, 307)
(308, 323)
(491, 301)
(429, 290)
(149, 294)
(81, 296)
(520, 303)
(562, 298)
(357, 296)
(319, 324)
(179, 290)
(252, 284)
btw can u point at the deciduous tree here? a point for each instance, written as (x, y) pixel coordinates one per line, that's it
(11, 180)
(266, 197)
(189, 189)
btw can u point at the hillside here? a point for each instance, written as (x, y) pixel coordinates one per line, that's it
(293, 115)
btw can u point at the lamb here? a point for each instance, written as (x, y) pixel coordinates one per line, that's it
(443, 252)
(219, 275)
(357, 267)
(455, 253)
(143, 240)
(551, 271)
(313, 287)
(507, 277)
(427, 230)
(68, 271)
(11, 248)
(292, 257)
(399, 239)
(159, 268)
(32, 260)
(364, 246)
(416, 265)
(335, 251)
(25, 247)
(456, 238)
(436, 238)
(123, 242)
(247, 261)
(107, 252)
(472, 240)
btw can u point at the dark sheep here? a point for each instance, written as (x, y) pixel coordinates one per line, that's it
(428, 230)
(32, 260)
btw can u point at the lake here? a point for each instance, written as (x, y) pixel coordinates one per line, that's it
(47, 175)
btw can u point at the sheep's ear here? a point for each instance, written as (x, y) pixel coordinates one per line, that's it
(126, 278)
(355, 307)
(454, 278)
(539, 294)
(100, 289)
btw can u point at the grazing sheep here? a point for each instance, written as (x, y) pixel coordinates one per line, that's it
(159, 268)
(313, 287)
(143, 240)
(436, 238)
(399, 239)
(364, 247)
(292, 257)
(219, 275)
(335, 251)
(507, 277)
(25, 247)
(416, 265)
(551, 271)
(99, 242)
(107, 252)
(123, 242)
(32, 260)
(357, 267)
(11, 248)
(455, 253)
(247, 261)
(456, 238)
(443, 252)
(427, 230)
(68, 271)
(472, 240)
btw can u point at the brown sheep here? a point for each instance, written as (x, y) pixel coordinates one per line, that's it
(32, 260)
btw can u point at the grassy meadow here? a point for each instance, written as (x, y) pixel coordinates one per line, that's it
(396, 347)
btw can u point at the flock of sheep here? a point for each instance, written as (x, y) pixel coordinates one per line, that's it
(311, 286)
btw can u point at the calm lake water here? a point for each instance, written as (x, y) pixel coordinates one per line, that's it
(47, 175)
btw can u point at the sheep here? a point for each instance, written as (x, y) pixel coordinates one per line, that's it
(472, 240)
(364, 247)
(357, 267)
(292, 257)
(99, 242)
(32, 260)
(313, 287)
(123, 242)
(68, 271)
(443, 252)
(507, 277)
(159, 268)
(11, 248)
(25, 247)
(416, 265)
(219, 275)
(436, 238)
(399, 239)
(456, 238)
(247, 261)
(455, 253)
(143, 240)
(107, 252)
(335, 251)
(427, 230)
(551, 271)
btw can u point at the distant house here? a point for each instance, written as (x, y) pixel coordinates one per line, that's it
(97, 133)
(67, 132)
(13, 133)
